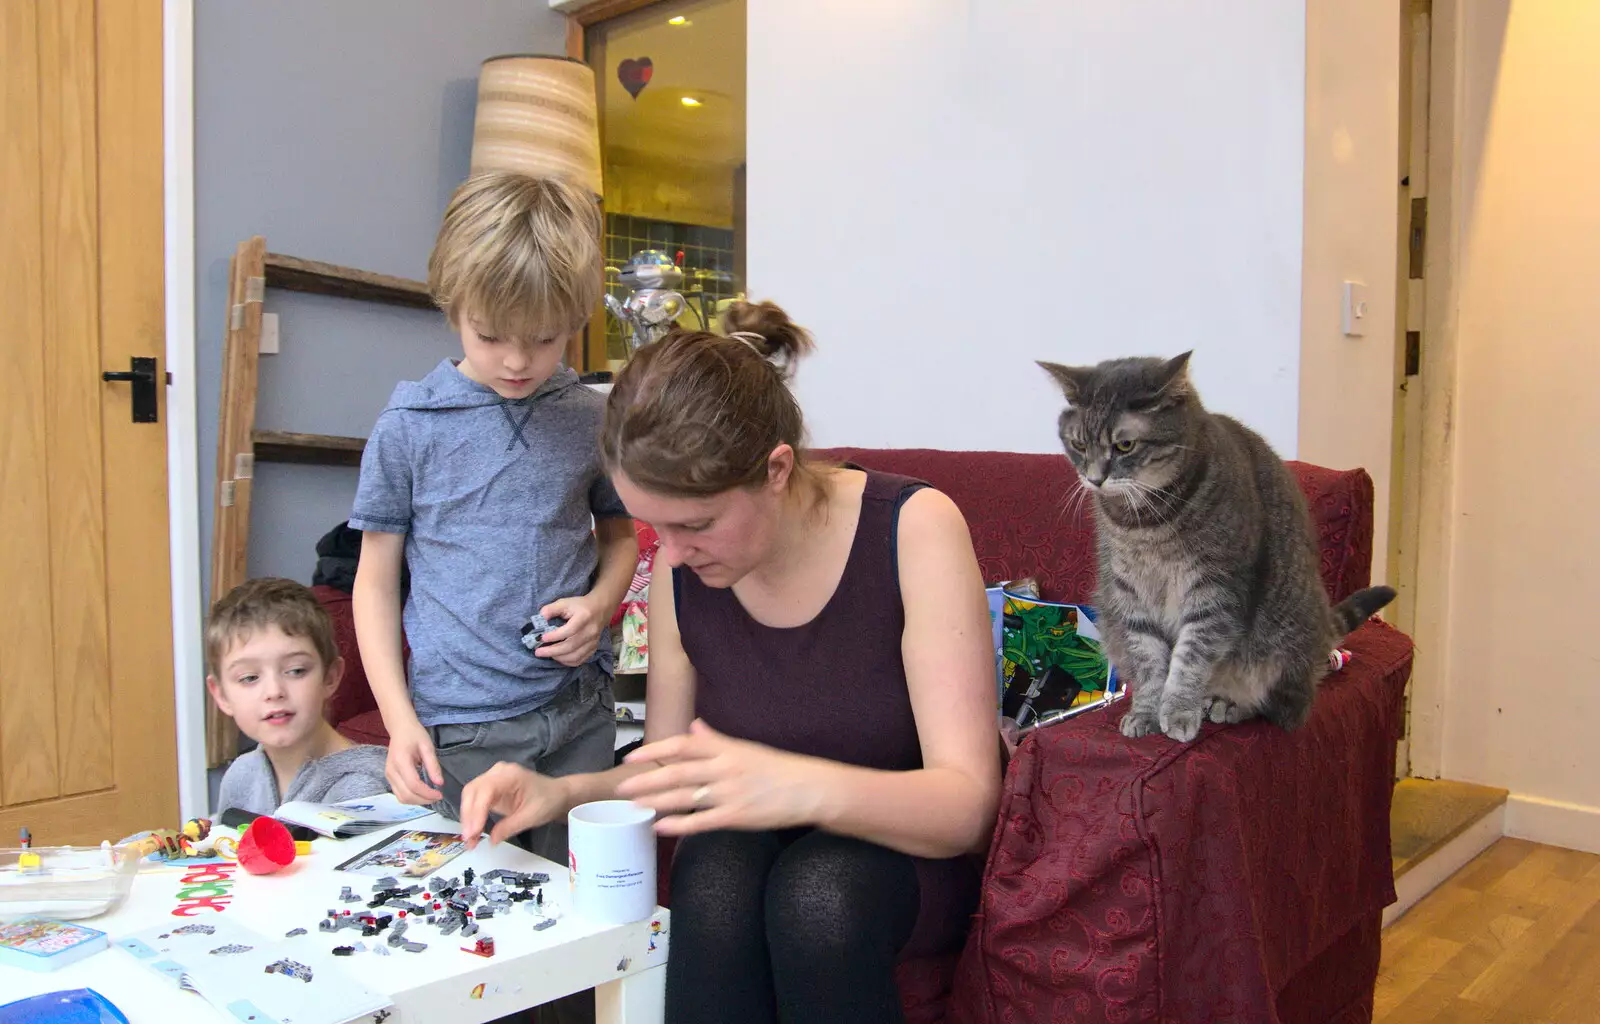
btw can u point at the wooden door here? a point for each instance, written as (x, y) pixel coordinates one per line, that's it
(87, 730)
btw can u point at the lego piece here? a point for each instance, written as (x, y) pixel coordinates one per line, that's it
(546, 923)
(360, 947)
(343, 950)
(328, 924)
(292, 932)
(484, 947)
(450, 925)
(347, 896)
(415, 947)
(485, 912)
(289, 969)
(467, 875)
(386, 882)
(469, 930)
(381, 950)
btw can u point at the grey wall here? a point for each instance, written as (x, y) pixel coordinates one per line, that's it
(337, 131)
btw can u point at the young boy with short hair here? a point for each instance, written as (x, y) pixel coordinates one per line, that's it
(273, 666)
(485, 478)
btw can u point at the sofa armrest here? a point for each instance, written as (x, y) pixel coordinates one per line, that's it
(1340, 501)
(1150, 880)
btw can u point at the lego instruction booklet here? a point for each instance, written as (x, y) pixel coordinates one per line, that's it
(249, 977)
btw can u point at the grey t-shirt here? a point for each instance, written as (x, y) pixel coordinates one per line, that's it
(495, 498)
(251, 785)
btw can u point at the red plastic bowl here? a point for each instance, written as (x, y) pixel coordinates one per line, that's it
(266, 847)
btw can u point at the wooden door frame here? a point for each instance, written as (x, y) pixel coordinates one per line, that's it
(583, 13)
(183, 431)
(1435, 513)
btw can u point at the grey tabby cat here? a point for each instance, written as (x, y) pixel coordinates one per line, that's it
(1210, 597)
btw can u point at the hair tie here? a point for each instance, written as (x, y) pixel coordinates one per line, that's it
(752, 339)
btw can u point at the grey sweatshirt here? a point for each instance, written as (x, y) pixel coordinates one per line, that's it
(251, 785)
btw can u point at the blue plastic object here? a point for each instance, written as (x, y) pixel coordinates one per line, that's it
(71, 1006)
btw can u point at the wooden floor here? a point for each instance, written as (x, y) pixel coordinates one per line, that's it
(1513, 938)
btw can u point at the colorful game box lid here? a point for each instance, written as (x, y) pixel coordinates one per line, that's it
(40, 944)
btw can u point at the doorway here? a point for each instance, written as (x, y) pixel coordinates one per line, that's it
(670, 77)
(87, 729)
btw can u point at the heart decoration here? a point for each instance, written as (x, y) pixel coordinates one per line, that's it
(634, 74)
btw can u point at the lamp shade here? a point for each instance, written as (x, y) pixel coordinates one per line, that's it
(536, 115)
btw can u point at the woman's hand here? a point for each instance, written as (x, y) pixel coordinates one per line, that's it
(575, 640)
(526, 799)
(726, 783)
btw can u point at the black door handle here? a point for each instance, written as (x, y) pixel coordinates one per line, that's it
(142, 375)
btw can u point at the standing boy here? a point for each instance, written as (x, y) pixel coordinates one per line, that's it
(485, 477)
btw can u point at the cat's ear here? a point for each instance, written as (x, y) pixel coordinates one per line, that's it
(1071, 379)
(1174, 379)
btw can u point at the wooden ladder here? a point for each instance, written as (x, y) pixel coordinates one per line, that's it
(251, 271)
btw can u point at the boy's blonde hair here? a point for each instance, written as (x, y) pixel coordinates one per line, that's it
(257, 604)
(520, 254)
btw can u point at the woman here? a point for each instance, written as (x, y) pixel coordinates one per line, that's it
(821, 697)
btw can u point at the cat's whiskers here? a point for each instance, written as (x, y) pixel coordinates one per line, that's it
(1072, 506)
(1169, 501)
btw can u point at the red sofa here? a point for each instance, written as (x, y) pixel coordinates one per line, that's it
(1239, 878)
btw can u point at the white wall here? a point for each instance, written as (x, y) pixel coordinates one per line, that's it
(1352, 181)
(945, 191)
(1521, 704)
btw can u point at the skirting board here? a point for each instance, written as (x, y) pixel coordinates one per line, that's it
(1573, 826)
(1447, 860)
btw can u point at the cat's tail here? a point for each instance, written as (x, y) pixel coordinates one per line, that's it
(1359, 607)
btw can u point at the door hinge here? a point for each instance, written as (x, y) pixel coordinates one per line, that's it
(1413, 353)
(1418, 235)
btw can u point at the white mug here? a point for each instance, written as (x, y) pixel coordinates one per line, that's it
(611, 857)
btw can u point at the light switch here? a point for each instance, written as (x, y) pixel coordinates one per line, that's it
(269, 334)
(1353, 309)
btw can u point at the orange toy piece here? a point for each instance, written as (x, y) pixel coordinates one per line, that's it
(265, 847)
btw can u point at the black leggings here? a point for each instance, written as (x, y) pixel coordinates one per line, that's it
(798, 926)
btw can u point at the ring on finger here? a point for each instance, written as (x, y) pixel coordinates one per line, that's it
(702, 796)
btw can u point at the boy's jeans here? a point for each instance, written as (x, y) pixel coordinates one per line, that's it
(574, 733)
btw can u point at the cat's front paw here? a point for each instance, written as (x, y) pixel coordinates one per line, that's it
(1182, 723)
(1138, 723)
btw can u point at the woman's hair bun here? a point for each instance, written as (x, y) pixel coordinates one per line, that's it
(769, 330)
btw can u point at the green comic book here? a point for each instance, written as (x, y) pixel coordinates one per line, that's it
(1051, 661)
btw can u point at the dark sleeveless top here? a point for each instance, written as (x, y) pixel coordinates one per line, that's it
(834, 687)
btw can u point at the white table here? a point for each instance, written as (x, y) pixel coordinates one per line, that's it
(438, 984)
